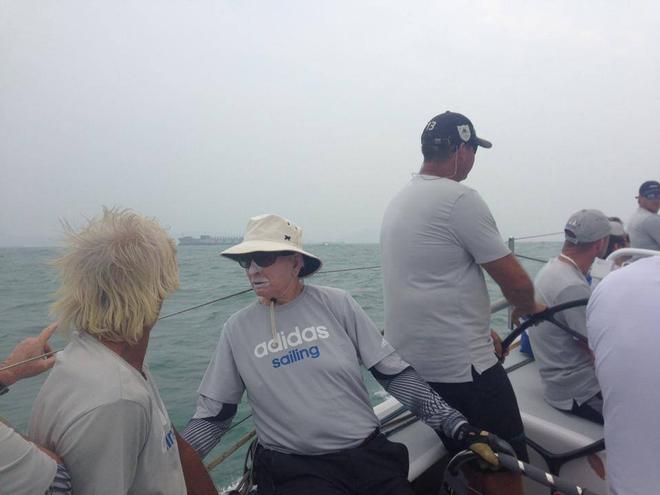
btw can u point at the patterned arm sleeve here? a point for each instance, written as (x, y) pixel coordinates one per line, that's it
(405, 385)
(61, 484)
(211, 421)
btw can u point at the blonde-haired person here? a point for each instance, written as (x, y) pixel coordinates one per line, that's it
(100, 409)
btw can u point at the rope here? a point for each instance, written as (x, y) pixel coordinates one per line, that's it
(40, 356)
(221, 458)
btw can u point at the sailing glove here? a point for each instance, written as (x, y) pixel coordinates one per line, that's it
(481, 443)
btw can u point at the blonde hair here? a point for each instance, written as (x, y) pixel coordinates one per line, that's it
(115, 273)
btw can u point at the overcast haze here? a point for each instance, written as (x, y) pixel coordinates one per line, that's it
(204, 113)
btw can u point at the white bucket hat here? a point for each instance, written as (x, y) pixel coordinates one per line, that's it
(268, 233)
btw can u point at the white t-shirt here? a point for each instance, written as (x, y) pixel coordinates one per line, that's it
(644, 229)
(623, 318)
(566, 368)
(306, 388)
(24, 469)
(435, 234)
(108, 424)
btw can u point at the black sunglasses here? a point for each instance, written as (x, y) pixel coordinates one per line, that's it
(261, 259)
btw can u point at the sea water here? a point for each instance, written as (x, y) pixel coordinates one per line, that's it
(182, 345)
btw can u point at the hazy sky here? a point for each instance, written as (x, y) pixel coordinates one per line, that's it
(203, 113)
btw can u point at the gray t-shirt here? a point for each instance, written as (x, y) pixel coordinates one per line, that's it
(306, 388)
(435, 234)
(108, 424)
(566, 368)
(644, 230)
(24, 469)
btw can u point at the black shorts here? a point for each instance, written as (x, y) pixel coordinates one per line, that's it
(591, 410)
(378, 466)
(488, 402)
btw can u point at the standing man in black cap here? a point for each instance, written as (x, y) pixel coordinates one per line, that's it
(644, 225)
(436, 237)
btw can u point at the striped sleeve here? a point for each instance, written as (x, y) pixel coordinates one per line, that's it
(203, 434)
(61, 484)
(211, 420)
(412, 391)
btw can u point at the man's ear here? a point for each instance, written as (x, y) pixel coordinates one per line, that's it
(601, 245)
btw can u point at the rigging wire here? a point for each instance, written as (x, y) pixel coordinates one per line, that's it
(250, 290)
(206, 303)
(549, 234)
(229, 296)
(531, 258)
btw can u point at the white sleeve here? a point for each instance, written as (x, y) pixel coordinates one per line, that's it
(101, 448)
(476, 229)
(371, 346)
(652, 224)
(222, 382)
(24, 469)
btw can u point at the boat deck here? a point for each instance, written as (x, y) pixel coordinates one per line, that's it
(556, 431)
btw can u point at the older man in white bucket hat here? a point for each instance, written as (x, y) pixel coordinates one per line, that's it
(297, 351)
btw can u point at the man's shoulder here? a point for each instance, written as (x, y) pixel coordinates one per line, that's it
(323, 291)
(641, 217)
(86, 380)
(438, 186)
(244, 314)
(555, 277)
(650, 221)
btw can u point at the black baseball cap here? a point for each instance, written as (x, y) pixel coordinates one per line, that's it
(650, 189)
(451, 128)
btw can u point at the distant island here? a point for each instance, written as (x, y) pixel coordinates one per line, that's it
(207, 240)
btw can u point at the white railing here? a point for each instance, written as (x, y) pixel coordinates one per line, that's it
(632, 252)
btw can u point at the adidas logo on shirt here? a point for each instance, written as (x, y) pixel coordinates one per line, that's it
(297, 337)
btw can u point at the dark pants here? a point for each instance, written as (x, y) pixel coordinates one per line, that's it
(377, 467)
(489, 403)
(591, 410)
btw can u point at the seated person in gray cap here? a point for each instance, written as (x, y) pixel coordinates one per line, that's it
(296, 350)
(644, 225)
(565, 363)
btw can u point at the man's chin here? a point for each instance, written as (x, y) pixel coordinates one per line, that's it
(261, 291)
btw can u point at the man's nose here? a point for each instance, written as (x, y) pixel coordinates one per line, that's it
(253, 268)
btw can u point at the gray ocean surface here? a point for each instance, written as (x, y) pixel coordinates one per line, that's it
(181, 346)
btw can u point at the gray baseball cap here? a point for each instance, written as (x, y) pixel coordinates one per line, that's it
(587, 226)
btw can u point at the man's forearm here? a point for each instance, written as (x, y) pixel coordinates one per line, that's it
(514, 282)
(198, 481)
(521, 296)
